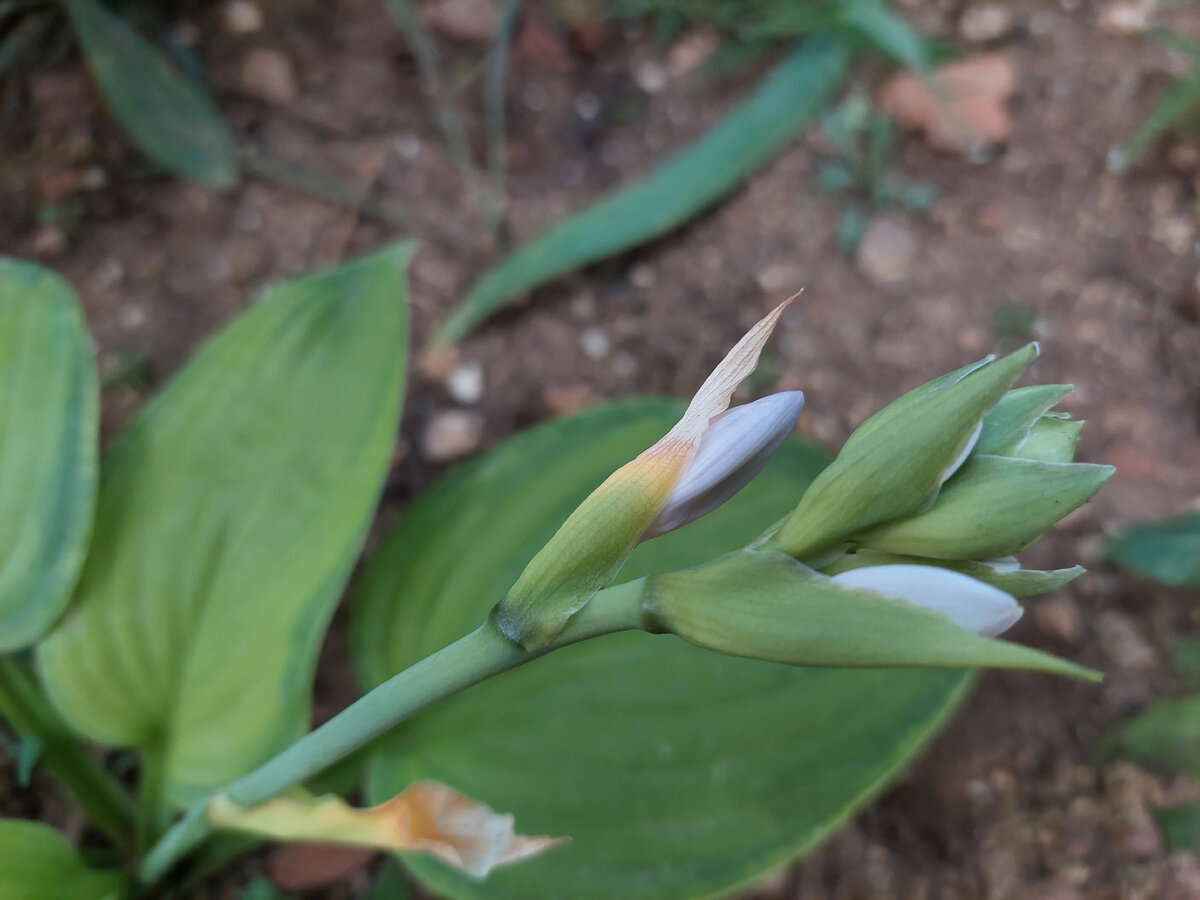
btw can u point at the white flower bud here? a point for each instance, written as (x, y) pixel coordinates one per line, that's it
(969, 603)
(733, 449)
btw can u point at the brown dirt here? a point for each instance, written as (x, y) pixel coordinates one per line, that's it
(1010, 802)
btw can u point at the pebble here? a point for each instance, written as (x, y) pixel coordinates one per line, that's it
(48, 241)
(1122, 19)
(242, 17)
(1058, 618)
(642, 276)
(268, 74)
(1124, 643)
(887, 252)
(985, 22)
(465, 383)
(464, 20)
(650, 76)
(451, 433)
(779, 277)
(595, 343)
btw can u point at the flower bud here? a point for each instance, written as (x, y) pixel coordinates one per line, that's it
(766, 605)
(993, 507)
(591, 546)
(1005, 573)
(1008, 423)
(969, 603)
(896, 462)
(735, 448)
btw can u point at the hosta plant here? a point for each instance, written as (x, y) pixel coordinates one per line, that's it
(668, 641)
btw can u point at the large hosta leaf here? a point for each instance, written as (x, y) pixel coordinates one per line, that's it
(48, 416)
(38, 863)
(229, 515)
(675, 771)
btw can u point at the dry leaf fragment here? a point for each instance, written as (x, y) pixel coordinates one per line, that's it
(427, 817)
(961, 107)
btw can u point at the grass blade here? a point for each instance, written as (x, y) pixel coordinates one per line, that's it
(171, 118)
(681, 188)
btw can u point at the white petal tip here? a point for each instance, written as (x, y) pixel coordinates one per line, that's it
(968, 602)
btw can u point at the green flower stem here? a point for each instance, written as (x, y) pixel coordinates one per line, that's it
(471, 659)
(108, 805)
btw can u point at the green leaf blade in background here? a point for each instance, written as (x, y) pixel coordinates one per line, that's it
(48, 423)
(678, 190)
(1167, 551)
(230, 513)
(170, 117)
(1165, 735)
(676, 772)
(38, 863)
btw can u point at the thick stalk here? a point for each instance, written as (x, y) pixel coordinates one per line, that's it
(108, 805)
(471, 659)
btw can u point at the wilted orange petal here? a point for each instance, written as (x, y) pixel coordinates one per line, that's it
(462, 831)
(426, 817)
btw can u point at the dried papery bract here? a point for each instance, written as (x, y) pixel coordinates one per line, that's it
(590, 547)
(426, 817)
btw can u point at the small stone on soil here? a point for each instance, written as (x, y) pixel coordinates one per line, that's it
(268, 75)
(451, 433)
(887, 252)
(242, 17)
(1120, 19)
(595, 343)
(985, 22)
(465, 383)
(465, 20)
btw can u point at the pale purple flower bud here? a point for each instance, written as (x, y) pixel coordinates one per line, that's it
(970, 603)
(733, 449)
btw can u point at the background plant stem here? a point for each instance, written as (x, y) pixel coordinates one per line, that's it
(108, 805)
(469, 660)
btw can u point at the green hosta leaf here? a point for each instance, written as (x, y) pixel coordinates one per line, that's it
(992, 507)
(681, 188)
(675, 771)
(229, 515)
(1007, 423)
(1166, 734)
(765, 605)
(170, 117)
(48, 415)
(38, 863)
(1167, 551)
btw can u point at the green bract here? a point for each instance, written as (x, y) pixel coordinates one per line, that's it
(896, 462)
(766, 605)
(48, 420)
(992, 507)
(229, 515)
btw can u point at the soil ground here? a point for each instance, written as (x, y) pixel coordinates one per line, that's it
(1036, 240)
